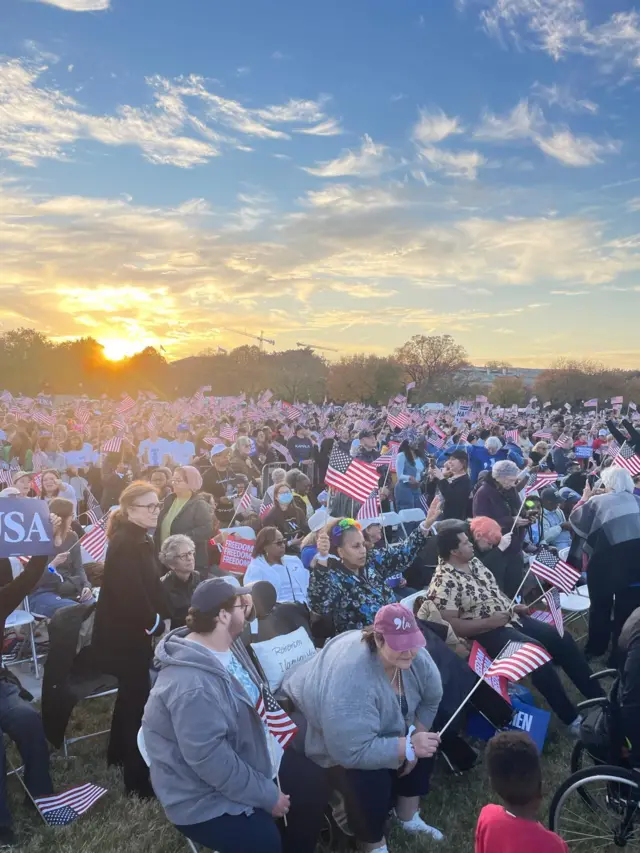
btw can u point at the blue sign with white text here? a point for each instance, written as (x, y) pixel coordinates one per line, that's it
(25, 529)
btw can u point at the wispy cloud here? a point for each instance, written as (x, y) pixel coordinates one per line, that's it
(187, 125)
(79, 5)
(560, 96)
(434, 127)
(330, 127)
(527, 121)
(371, 159)
(455, 164)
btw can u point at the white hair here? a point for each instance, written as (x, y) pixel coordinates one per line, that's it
(171, 547)
(493, 443)
(278, 475)
(505, 468)
(617, 480)
(10, 492)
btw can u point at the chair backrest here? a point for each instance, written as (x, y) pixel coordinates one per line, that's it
(391, 519)
(142, 748)
(244, 532)
(414, 514)
(410, 600)
(17, 567)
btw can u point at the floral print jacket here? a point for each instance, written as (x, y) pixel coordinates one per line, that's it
(352, 600)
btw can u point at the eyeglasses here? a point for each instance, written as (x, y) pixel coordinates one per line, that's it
(185, 556)
(279, 541)
(149, 507)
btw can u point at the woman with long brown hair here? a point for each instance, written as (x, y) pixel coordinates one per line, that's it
(130, 611)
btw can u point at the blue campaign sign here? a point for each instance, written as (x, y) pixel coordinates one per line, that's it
(527, 718)
(25, 529)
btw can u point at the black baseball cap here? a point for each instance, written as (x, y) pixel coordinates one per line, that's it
(365, 433)
(550, 494)
(212, 593)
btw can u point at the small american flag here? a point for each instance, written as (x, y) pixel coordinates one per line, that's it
(82, 415)
(388, 458)
(564, 441)
(63, 809)
(542, 616)
(358, 481)
(633, 407)
(370, 508)
(119, 424)
(539, 481)
(36, 483)
(628, 459)
(512, 435)
(265, 397)
(616, 401)
(42, 418)
(593, 403)
(210, 440)
(481, 399)
(410, 386)
(283, 451)
(464, 435)
(127, 403)
(113, 445)
(244, 502)
(265, 506)
(555, 571)
(277, 721)
(435, 440)
(552, 597)
(544, 434)
(517, 660)
(228, 432)
(400, 421)
(291, 413)
(611, 449)
(6, 477)
(95, 541)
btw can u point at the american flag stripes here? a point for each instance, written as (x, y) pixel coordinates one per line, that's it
(6, 477)
(616, 401)
(113, 445)
(555, 571)
(539, 481)
(126, 404)
(283, 451)
(512, 435)
(292, 413)
(552, 597)
(36, 483)
(95, 541)
(543, 434)
(119, 424)
(265, 506)
(542, 616)
(388, 458)
(244, 502)
(42, 418)
(518, 660)
(563, 441)
(277, 721)
(63, 809)
(228, 432)
(358, 481)
(400, 421)
(82, 415)
(611, 449)
(593, 403)
(628, 459)
(435, 440)
(370, 508)
(210, 440)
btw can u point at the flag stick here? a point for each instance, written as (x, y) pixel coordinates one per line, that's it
(273, 760)
(522, 582)
(513, 526)
(467, 697)
(28, 792)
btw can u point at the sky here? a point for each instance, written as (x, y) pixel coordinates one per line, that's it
(343, 174)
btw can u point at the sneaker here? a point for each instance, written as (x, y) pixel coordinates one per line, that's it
(574, 728)
(7, 838)
(417, 826)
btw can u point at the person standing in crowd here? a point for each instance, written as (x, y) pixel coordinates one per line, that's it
(218, 775)
(18, 454)
(300, 485)
(367, 449)
(79, 454)
(285, 572)
(130, 611)
(409, 472)
(153, 451)
(483, 458)
(469, 599)
(178, 554)
(454, 484)
(188, 513)
(222, 482)
(182, 450)
(373, 737)
(67, 584)
(516, 776)
(290, 520)
(278, 476)
(22, 482)
(161, 480)
(300, 445)
(609, 525)
(497, 498)
(241, 461)
(53, 487)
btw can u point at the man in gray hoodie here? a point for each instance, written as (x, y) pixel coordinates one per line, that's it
(213, 764)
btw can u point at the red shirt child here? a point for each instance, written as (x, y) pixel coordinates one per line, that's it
(514, 769)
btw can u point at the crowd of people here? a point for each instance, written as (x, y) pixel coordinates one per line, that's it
(171, 482)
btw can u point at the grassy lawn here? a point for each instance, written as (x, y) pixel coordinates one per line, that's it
(119, 825)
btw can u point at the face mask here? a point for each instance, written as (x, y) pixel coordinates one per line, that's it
(285, 499)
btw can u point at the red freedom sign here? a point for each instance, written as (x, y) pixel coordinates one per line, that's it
(236, 554)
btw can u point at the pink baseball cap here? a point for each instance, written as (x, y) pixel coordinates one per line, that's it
(399, 628)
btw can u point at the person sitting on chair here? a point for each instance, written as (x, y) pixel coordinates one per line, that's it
(178, 554)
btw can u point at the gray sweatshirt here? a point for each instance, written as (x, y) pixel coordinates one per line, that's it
(207, 745)
(353, 715)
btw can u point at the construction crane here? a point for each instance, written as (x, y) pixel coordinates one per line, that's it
(259, 337)
(313, 346)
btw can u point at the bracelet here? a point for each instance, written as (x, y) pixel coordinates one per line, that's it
(409, 751)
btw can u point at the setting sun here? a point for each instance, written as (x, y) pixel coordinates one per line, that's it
(115, 349)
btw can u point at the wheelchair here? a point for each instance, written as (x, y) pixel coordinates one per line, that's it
(598, 807)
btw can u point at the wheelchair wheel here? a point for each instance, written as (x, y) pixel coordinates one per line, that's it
(598, 808)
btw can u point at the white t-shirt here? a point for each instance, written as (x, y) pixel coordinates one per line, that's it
(182, 452)
(156, 451)
(290, 579)
(80, 458)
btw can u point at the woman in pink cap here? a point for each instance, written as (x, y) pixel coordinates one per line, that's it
(369, 698)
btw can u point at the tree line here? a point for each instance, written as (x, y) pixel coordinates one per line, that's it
(31, 363)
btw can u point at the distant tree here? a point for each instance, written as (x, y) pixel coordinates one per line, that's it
(364, 378)
(507, 390)
(297, 374)
(498, 366)
(429, 361)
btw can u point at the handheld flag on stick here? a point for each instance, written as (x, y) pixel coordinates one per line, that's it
(628, 459)
(277, 721)
(552, 597)
(555, 571)
(63, 809)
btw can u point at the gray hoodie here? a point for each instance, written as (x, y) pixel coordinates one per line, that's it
(207, 745)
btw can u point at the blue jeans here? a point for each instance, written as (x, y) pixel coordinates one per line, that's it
(22, 723)
(47, 603)
(257, 833)
(407, 497)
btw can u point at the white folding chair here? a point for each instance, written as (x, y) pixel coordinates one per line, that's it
(142, 749)
(243, 532)
(69, 740)
(410, 600)
(411, 515)
(21, 617)
(576, 604)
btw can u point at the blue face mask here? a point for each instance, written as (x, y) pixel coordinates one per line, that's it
(285, 498)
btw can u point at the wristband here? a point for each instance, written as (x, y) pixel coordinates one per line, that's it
(409, 751)
(155, 625)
